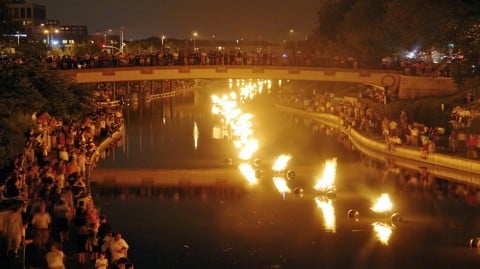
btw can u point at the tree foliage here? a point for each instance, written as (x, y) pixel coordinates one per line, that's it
(29, 87)
(34, 87)
(372, 29)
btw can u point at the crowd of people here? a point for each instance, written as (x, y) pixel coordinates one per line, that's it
(415, 67)
(51, 203)
(178, 57)
(401, 131)
(105, 92)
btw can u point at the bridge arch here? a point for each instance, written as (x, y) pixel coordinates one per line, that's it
(406, 86)
(380, 78)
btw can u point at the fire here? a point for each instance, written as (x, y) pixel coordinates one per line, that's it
(281, 185)
(383, 204)
(328, 213)
(249, 148)
(328, 177)
(248, 172)
(382, 231)
(281, 163)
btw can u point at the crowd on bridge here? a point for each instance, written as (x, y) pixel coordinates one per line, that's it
(46, 200)
(234, 57)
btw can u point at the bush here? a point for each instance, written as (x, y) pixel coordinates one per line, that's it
(12, 139)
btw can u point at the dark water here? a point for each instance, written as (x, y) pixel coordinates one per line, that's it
(256, 227)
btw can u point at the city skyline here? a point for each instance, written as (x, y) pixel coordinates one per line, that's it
(222, 20)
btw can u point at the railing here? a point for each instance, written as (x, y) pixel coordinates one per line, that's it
(442, 165)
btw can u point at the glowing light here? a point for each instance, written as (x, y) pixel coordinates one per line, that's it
(382, 232)
(247, 151)
(281, 163)
(248, 172)
(328, 213)
(281, 185)
(325, 183)
(195, 135)
(383, 204)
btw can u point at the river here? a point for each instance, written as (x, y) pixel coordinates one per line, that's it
(258, 227)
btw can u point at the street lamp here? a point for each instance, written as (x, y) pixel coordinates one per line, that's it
(194, 37)
(121, 38)
(163, 38)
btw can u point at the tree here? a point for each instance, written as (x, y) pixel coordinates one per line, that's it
(31, 87)
(363, 33)
(330, 16)
(370, 29)
(418, 23)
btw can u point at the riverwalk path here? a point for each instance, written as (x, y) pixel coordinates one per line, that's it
(443, 165)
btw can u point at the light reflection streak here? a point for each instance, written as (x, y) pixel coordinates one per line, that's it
(237, 122)
(382, 232)
(281, 185)
(328, 212)
(248, 172)
(195, 135)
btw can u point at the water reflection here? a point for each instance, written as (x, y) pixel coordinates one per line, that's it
(179, 193)
(328, 213)
(195, 135)
(239, 227)
(248, 172)
(281, 185)
(382, 231)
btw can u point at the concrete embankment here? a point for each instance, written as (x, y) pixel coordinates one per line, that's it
(441, 165)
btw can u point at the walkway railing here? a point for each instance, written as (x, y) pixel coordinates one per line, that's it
(442, 165)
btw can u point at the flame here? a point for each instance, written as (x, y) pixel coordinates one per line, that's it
(328, 177)
(281, 185)
(328, 213)
(248, 172)
(382, 231)
(249, 148)
(383, 204)
(281, 163)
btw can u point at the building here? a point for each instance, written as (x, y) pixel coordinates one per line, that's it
(59, 35)
(29, 17)
(31, 21)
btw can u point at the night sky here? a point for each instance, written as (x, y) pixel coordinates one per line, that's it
(225, 19)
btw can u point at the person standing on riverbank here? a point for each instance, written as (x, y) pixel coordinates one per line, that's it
(41, 222)
(118, 248)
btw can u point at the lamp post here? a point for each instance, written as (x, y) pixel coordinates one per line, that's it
(163, 38)
(121, 38)
(292, 43)
(194, 37)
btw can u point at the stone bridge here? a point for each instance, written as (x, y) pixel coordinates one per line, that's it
(407, 86)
